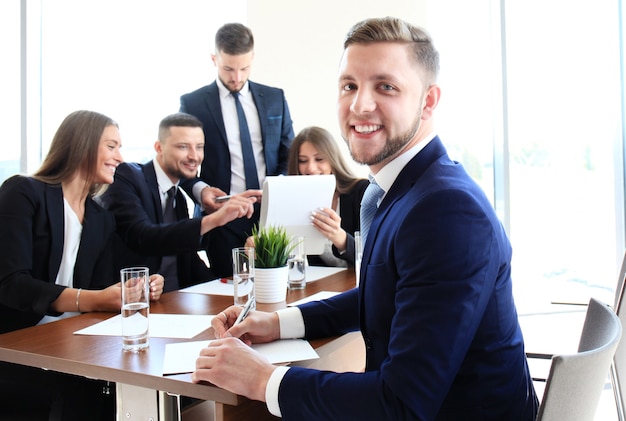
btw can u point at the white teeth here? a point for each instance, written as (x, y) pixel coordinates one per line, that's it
(367, 129)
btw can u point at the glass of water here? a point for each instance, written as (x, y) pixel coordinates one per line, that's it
(297, 264)
(243, 274)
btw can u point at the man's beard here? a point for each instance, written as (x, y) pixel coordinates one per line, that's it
(392, 145)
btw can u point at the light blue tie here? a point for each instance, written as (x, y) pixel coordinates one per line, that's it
(249, 165)
(369, 205)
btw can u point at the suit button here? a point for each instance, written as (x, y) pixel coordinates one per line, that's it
(368, 343)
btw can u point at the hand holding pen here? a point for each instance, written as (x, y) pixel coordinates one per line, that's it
(248, 325)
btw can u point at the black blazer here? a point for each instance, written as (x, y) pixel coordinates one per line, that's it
(135, 201)
(32, 232)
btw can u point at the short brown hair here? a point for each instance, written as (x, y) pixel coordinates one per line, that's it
(234, 39)
(391, 29)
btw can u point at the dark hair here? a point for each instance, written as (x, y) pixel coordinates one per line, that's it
(234, 39)
(324, 142)
(396, 30)
(75, 146)
(177, 120)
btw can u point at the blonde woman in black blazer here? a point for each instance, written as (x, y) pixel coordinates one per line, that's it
(34, 215)
(314, 151)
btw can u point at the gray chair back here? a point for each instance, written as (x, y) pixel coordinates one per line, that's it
(576, 381)
(618, 368)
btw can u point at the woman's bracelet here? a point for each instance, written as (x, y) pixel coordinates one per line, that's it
(78, 300)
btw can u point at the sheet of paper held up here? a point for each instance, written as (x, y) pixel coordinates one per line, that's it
(181, 357)
(288, 200)
(184, 326)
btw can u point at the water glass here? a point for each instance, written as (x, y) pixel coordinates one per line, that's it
(297, 268)
(243, 274)
(135, 283)
(358, 255)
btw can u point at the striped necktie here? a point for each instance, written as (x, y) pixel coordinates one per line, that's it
(369, 205)
(249, 165)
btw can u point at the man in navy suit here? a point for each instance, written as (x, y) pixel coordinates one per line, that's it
(138, 198)
(267, 127)
(434, 305)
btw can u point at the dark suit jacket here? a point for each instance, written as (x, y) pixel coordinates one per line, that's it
(32, 232)
(277, 134)
(435, 307)
(135, 201)
(350, 213)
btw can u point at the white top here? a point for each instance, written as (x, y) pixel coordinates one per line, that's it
(71, 243)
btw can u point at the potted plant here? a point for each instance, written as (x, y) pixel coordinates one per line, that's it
(272, 246)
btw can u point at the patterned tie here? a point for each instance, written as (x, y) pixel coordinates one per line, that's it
(369, 205)
(249, 165)
(168, 263)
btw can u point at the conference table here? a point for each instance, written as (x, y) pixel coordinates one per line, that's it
(142, 391)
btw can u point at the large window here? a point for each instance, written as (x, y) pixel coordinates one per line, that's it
(10, 87)
(532, 103)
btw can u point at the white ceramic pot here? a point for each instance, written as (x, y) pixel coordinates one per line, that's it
(270, 284)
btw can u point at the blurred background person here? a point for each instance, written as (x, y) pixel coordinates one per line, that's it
(151, 211)
(248, 130)
(56, 260)
(314, 151)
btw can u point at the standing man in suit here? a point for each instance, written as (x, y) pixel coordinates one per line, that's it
(138, 198)
(435, 303)
(248, 130)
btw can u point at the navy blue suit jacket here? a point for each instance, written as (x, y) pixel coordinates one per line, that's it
(135, 201)
(435, 307)
(32, 232)
(276, 130)
(277, 134)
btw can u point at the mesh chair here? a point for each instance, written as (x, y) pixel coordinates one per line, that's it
(575, 382)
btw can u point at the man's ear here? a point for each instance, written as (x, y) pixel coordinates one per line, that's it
(431, 99)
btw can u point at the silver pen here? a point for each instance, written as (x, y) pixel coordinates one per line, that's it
(245, 311)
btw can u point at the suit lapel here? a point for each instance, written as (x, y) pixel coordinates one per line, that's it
(212, 99)
(405, 180)
(258, 95)
(153, 186)
(56, 212)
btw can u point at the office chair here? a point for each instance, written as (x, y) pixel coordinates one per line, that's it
(618, 368)
(575, 382)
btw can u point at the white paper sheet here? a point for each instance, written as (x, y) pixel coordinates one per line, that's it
(181, 357)
(288, 200)
(313, 273)
(184, 326)
(215, 287)
(322, 295)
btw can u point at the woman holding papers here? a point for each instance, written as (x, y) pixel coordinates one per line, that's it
(314, 151)
(56, 258)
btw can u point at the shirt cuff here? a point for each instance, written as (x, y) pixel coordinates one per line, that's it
(196, 190)
(291, 323)
(271, 390)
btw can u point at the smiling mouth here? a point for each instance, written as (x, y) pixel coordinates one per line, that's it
(367, 129)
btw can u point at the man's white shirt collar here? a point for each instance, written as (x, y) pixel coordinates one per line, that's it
(224, 92)
(163, 180)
